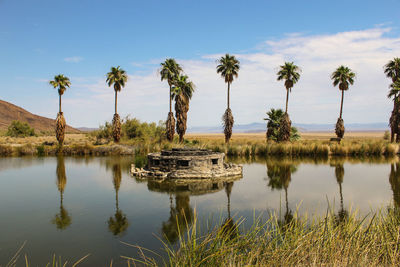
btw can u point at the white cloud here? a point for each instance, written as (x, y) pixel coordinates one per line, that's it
(74, 59)
(313, 99)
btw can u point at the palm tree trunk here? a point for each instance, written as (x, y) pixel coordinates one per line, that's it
(170, 98)
(116, 200)
(229, 87)
(341, 105)
(115, 102)
(287, 99)
(341, 196)
(59, 103)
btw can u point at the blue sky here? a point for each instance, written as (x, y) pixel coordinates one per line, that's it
(83, 39)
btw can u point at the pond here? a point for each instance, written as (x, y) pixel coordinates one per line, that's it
(72, 207)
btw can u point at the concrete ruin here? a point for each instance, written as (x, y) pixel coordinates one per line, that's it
(187, 163)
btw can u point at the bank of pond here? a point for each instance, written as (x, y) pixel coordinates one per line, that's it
(283, 211)
(243, 148)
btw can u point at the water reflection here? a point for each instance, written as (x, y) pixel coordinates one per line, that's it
(180, 217)
(62, 220)
(229, 226)
(394, 180)
(119, 223)
(342, 214)
(279, 173)
(181, 214)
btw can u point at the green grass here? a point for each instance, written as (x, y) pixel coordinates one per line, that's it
(320, 241)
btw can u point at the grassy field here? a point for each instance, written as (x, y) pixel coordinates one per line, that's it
(242, 144)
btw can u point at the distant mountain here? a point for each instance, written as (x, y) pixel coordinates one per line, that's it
(257, 127)
(10, 112)
(87, 129)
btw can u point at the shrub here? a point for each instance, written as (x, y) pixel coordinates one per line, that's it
(20, 129)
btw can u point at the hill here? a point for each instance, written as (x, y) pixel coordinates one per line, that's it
(10, 112)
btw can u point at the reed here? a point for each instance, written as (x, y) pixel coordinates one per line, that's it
(331, 240)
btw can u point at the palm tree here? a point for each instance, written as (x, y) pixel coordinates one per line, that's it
(170, 70)
(274, 117)
(290, 73)
(394, 120)
(118, 78)
(342, 76)
(392, 71)
(63, 219)
(228, 67)
(60, 82)
(119, 223)
(182, 91)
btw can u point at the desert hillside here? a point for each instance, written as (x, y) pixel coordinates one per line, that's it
(10, 112)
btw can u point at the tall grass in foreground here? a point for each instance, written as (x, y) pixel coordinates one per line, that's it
(332, 240)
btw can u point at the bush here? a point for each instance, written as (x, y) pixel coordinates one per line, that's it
(134, 129)
(20, 129)
(386, 135)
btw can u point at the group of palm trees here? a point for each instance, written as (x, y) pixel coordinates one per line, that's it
(181, 90)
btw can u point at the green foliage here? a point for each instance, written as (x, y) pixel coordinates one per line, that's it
(274, 123)
(20, 129)
(134, 129)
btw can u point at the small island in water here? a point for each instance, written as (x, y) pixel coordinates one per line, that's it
(187, 163)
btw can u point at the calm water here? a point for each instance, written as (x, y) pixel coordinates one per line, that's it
(76, 206)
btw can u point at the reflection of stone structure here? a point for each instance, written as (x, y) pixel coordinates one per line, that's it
(187, 164)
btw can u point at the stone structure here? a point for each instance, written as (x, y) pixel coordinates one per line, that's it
(186, 163)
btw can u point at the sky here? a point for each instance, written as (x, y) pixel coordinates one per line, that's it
(82, 39)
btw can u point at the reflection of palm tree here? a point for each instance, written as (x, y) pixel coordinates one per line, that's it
(280, 175)
(229, 227)
(394, 180)
(181, 216)
(342, 215)
(61, 220)
(119, 223)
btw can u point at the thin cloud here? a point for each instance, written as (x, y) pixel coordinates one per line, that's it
(74, 59)
(313, 98)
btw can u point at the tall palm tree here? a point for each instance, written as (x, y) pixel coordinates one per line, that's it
(183, 92)
(228, 67)
(394, 121)
(290, 73)
(119, 223)
(63, 219)
(60, 82)
(342, 76)
(118, 78)
(392, 71)
(169, 71)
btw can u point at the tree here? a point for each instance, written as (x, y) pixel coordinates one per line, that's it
(118, 78)
(20, 129)
(274, 123)
(183, 91)
(228, 67)
(170, 70)
(60, 82)
(392, 71)
(290, 73)
(342, 76)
